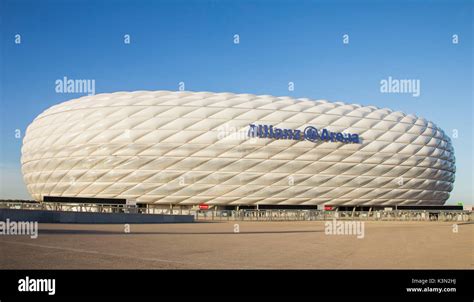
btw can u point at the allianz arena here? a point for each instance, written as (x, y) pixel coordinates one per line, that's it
(190, 148)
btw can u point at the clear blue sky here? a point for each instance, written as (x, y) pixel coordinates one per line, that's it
(280, 41)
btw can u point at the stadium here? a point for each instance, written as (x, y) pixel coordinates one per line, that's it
(228, 150)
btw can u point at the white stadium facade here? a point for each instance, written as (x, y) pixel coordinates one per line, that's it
(193, 148)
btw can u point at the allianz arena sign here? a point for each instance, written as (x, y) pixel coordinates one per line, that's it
(310, 133)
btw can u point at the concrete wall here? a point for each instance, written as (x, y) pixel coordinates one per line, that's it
(86, 217)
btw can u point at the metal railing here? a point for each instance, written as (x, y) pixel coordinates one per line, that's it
(253, 215)
(87, 207)
(319, 215)
(56, 206)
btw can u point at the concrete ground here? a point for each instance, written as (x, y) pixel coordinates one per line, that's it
(257, 245)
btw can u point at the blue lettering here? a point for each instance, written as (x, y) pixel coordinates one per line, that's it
(325, 135)
(278, 133)
(265, 129)
(310, 133)
(252, 130)
(355, 138)
(297, 135)
(287, 134)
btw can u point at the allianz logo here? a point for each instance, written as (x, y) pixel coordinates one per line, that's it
(310, 133)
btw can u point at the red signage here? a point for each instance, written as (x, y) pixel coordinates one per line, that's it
(203, 206)
(327, 208)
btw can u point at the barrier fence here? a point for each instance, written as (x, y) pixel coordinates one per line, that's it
(70, 207)
(254, 215)
(319, 215)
